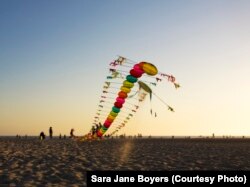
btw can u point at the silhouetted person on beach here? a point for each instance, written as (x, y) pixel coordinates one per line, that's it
(72, 133)
(50, 132)
(93, 130)
(42, 136)
(18, 136)
(60, 137)
(64, 137)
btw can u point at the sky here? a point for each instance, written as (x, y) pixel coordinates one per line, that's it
(55, 55)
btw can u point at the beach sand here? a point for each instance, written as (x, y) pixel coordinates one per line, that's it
(31, 162)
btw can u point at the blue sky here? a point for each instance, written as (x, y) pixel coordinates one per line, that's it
(54, 58)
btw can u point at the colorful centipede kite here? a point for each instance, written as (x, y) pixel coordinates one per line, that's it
(115, 97)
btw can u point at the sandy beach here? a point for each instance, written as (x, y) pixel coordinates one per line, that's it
(64, 162)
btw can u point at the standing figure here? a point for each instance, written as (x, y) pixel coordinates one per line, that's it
(72, 133)
(93, 130)
(50, 132)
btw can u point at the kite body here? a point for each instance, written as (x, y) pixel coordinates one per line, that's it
(135, 73)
